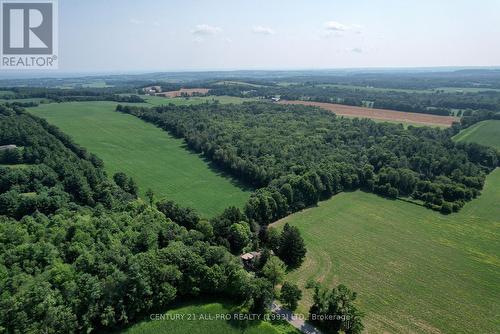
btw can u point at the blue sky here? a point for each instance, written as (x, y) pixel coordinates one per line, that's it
(127, 35)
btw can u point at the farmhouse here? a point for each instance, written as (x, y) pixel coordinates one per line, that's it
(152, 90)
(250, 258)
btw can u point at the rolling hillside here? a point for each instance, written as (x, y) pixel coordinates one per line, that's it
(415, 270)
(485, 132)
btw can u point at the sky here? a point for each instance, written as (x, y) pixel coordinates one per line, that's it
(172, 35)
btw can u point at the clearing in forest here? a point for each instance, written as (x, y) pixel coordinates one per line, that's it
(150, 155)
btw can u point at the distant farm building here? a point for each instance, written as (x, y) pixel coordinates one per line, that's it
(152, 90)
(275, 98)
(250, 258)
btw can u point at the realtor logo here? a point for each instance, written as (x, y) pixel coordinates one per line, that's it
(29, 34)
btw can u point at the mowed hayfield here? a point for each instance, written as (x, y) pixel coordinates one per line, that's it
(416, 271)
(381, 114)
(150, 155)
(161, 100)
(205, 318)
(485, 132)
(185, 91)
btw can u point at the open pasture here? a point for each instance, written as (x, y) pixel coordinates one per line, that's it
(151, 156)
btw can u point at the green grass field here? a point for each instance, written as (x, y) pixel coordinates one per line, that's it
(416, 271)
(6, 93)
(155, 159)
(485, 132)
(208, 325)
(229, 83)
(467, 89)
(159, 100)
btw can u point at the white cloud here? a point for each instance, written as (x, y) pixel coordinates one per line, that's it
(336, 26)
(341, 27)
(263, 30)
(205, 29)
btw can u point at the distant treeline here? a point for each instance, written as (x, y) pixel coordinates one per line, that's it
(68, 95)
(386, 79)
(412, 80)
(298, 155)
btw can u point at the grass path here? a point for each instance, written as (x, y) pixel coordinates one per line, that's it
(155, 159)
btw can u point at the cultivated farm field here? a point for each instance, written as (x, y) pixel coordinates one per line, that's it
(485, 132)
(415, 270)
(151, 156)
(381, 114)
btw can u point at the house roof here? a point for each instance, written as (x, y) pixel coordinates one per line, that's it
(250, 256)
(247, 256)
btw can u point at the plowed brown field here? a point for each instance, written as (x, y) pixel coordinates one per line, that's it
(381, 114)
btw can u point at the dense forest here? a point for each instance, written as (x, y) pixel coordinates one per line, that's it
(297, 155)
(76, 94)
(92, 269)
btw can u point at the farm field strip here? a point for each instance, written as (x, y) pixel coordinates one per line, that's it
(150, 155)
(381, 114)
